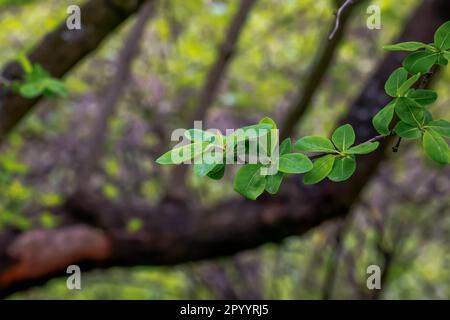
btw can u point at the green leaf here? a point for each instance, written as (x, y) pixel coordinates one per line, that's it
(407, 84)
(31, 90)
(407, 131)
(420, 61)
(249, 182)
(343, 168)
(422, 96)
(343, 137)
(273, 182)
(446, 54)
(217, 172)
(405, 46)
(440, 126)
(285, 146)
(181, 154)
(442, 59)
(244, 133)
(272, 135)
(197, 135)
(436, 147)
(25, 63)
(314, 144)
(364, 148)
(270, 121)
(295, 163)
(202, 169)
(383, 118)
(442, 36)
(395, 80)
(321, 169)
(409, 111)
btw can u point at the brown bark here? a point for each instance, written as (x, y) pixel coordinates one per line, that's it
(319, 69)
(61, 50)
(225, 53)
(113, 93)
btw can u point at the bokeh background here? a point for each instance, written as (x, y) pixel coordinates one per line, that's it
(401, 221)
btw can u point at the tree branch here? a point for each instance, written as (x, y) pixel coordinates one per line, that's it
(313, 80)
(61, 50)
(113, 93)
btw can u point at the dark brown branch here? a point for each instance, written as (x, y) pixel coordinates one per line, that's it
(225, 53)
(114, 91)
(312, 81)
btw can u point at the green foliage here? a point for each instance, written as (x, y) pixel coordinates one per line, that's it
(383, 118)
(321, 169)
(38, 82)
(314, 144)
(295, 163)
(135, 225)
(249, 182)
(436, 147)
(335, 158)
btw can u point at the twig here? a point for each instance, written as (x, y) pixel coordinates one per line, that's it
(374, 139)
(339, 12)
(397, 145)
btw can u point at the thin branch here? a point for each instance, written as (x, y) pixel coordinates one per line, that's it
(59, 53)
(340, 11)
(318, 71)
(110, 102)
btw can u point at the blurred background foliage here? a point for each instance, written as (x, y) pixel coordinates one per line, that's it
(403, 219)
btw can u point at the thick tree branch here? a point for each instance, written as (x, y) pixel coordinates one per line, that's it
(225, 53)
(113, 93)
(61, 50)
(312, 81)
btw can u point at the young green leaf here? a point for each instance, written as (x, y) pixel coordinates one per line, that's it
(197, 135)
(247, 133)
(295, 163)
(446, 54)
(25, 63)
(183, 153)
(343, 137)
(364, 148)
(440, 126)
(407, 131)
(442, 36)
(31, 90)
(409, 111)
(383, 118)
(407, 84)
(343, 168)
(395, 80)
(405, 46)
(442, 59)
(249, 182)
(285, 146)
(273, 182)
(420, 61)
(217, 172)
(314, 144)
(436, 147)
(202, 169)
(273, 135)
(423, 97)
(321, 169)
